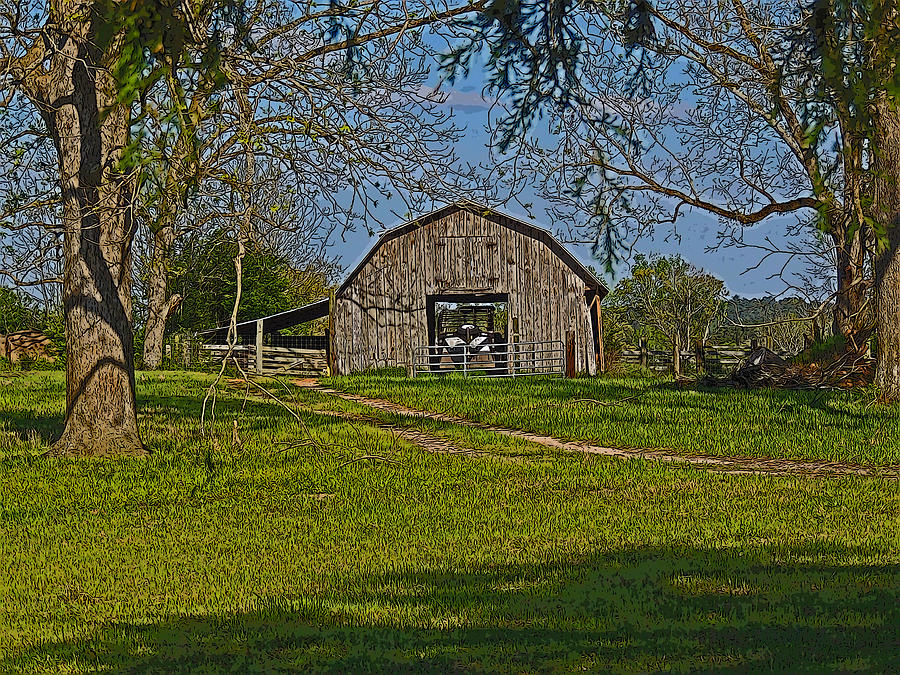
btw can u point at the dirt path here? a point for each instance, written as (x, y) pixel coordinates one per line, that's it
(729, 465)
(423, 439)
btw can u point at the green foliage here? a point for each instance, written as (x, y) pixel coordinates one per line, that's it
(203, 274)
(148, 42)
(824, 351)
(17, 311)
(618, 333)
(664, 298)
(149, 38)
(846, 52)
(54, 327)
(276, 547)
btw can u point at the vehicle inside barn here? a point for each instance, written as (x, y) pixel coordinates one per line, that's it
(470, 334)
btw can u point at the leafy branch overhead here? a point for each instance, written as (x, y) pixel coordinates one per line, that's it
(532, 49)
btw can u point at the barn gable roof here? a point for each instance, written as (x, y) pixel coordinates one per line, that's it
(494, 216)
(321, 307)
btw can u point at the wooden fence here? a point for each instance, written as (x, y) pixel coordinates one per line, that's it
(713, 359)
(189, 352)
(271, 360)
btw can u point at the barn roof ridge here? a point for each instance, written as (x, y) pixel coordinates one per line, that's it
(543, 234)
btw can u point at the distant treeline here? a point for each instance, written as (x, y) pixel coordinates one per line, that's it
(785, 313)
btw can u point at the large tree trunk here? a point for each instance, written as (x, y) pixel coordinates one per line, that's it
(887, 263)
(90, 130)
(159, 304)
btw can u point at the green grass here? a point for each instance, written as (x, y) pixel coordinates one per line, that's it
(654, 414)
(273, 546)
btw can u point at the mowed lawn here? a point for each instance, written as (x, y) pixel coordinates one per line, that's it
(273, 544)
(648, 413)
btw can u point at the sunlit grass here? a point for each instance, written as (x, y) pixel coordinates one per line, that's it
(274, 546)
(649, 413)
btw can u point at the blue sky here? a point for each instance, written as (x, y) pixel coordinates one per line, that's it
(696, 230)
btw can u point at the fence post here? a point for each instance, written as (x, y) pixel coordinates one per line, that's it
(645, 353)
(331, 354)
(570, 353)
(259, 347)
(601, 355)
(700, 357)
(411, 362)
(187, 346)
(513, 347)
(676, 355)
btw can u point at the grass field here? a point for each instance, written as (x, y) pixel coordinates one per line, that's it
(645, 413)
(273, 545)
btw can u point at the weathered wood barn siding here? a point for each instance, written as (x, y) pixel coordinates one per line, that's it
(380, 313)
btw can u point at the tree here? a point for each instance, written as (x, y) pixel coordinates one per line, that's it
(202, 274)
(672, 298)
(85, 68)
(822, 80)
(709, 106)
(67, 70)
(851, 48)
(328, 141)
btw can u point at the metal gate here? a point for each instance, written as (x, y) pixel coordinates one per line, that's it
(506, 359)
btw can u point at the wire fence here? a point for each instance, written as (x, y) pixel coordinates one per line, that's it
(279, 355)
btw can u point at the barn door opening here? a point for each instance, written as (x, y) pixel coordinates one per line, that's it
(467, 330)
(482, 317)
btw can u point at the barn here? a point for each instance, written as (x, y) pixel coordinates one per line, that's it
(464, 255)
(462, 279)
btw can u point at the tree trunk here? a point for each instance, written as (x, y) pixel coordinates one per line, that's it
(849, 318)
(676, 354)
(90, 131)
(159, 305)
(887, 262)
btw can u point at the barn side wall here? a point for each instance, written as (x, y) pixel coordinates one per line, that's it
(382, 313)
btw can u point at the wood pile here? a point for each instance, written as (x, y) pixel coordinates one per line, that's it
(25, 344)
(764, 368)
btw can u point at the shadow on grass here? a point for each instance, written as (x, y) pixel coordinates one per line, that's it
(170, 410)
(785, 398)
(643, 609)
(27, 425)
